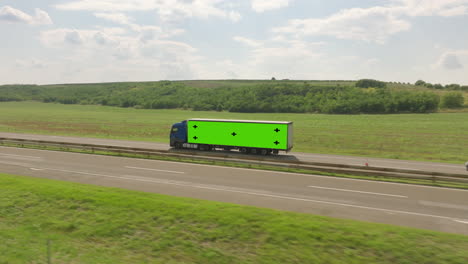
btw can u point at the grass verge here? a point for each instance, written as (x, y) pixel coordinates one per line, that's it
(429, 137)
(91, 224)
(194, 159)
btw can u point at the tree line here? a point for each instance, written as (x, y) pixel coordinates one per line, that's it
(367, 96)
(438, 86)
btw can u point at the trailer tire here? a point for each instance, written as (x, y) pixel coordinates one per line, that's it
(264, 152)
(253, 151)
(275, 152)
(243, 150)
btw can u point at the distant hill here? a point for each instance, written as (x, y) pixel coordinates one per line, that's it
(288, 96)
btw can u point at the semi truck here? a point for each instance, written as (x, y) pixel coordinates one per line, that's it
(247, 136)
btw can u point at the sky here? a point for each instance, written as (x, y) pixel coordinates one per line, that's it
(83, 41)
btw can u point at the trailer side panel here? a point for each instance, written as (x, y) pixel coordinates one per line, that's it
(240, 134)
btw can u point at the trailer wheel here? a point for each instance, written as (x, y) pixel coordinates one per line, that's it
(253, 151)
(203, 147)
(177, 145)
(243, 150)
(263, 152)
(275, 151)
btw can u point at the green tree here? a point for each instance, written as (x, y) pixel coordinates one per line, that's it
(367, 83)
(452, 100)
(453, 86)
(419, 83)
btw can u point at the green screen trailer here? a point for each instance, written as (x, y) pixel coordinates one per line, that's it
(246, 135)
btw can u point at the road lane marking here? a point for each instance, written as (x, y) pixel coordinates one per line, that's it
(315, 176)
(346, 190)
(294, 174)
(444, 205)
(256, 193)
(36, 169)
(138, 168)
(19, 156)
(460, 221)
(15, 163)
(227, 189)
(77, 172)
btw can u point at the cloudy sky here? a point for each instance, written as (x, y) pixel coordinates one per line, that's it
(65, 41)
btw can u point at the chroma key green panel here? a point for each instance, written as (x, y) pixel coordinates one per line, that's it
(240, 134)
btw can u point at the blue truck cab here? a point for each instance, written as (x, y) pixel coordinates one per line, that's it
(178, 134)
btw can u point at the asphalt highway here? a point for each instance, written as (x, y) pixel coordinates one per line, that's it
(440, 209)
(309, 157)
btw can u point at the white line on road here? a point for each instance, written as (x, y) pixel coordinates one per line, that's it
(138, 168)
(15, 163)
(460, 221)
(254, 192)
(77, 172)
(315, 176)
(19, 156)
(444, 205)
(346, 190)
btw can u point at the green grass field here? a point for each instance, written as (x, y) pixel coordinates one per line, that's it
(91, 224)
(431, 137)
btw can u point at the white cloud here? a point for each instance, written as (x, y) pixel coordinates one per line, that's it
(374, 24)
(103, 39)
(109, 5)
(452, 60)
(73, 37)
(167, 9)
(118, 18)
(11, 15)
(433, 7)
(96, 53)
(41, 17)
(264, 5)
(281, 58)
(247, 41)
(59, 37)
(147, 32)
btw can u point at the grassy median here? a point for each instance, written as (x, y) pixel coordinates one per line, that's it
(90, 224)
